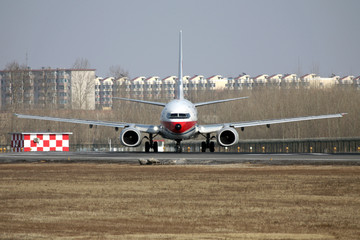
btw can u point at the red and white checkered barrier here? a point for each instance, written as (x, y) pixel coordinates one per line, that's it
(39, 142)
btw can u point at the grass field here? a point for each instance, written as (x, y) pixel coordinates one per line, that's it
(110, 201)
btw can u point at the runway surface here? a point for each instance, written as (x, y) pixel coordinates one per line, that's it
(182, 158)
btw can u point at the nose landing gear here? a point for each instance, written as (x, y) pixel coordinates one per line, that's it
(178, 148)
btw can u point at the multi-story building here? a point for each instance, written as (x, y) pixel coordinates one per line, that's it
(137, 87)
(122, 87)
(216, 82)
(197, 82)
(345, 81)
(356, 82)
(17, 87)
(48, 88)
(261, 80)
(153, 87)
(274, 80)
(79, 89)
(169, 86)
(243, 81)
(290, 81)
(314, 81)
(104, 92)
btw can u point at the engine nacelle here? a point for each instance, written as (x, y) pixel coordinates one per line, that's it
(130, 137)
(227, 137)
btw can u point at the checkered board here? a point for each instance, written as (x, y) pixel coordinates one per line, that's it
(40, 142)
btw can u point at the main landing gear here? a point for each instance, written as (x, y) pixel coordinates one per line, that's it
(151, 144)
(208, 144)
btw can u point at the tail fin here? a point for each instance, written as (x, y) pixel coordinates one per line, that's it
(180, 88)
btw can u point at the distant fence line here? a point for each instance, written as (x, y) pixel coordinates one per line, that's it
(311, 145)
(314, 145)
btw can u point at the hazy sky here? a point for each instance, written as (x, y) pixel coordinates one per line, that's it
(219, 37)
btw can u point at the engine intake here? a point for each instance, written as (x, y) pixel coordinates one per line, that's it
(130, 137)
(227, 137)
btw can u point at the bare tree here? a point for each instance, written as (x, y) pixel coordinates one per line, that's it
(18, 92)
(121, 77)
(117, 72)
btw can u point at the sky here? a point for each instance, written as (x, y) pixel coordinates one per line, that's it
(227, 37)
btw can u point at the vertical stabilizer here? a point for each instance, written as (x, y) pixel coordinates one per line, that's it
(180, 88)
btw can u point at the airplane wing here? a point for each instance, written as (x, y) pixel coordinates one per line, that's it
(216, 127)
(141, 101)
(141, 127)
(218, 101)
(164, 104)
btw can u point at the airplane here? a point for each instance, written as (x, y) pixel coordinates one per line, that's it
(179, 121)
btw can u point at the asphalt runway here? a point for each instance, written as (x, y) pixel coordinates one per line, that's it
(182, 158)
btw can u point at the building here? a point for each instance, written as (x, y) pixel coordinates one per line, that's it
(122, 87)
(104, 93)
(40, 141)
(169, 87)
(356, 82)
(345, 81)
(80, 89)
(153, 87)
(309, 80)
(316, 81)
(156, 88)
(186, 84)
(48, 88)
(290, 81)
(137, 87)
(197, 82)
(243, 81)
(261, 80)
(274, 80)
(17, 87)
(216, 82)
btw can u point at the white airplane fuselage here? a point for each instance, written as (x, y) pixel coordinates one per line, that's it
(179, 120)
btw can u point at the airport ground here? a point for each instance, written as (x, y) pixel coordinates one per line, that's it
(247, 200)
(192, 158)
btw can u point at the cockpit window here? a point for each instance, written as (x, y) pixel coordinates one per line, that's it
(178, 115)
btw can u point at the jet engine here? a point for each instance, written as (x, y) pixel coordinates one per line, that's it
(130, 137)
(227, 137)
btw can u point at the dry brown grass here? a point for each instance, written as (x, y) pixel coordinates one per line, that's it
(109, 201)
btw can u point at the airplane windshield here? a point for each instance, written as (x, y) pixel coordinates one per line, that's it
(178, 115)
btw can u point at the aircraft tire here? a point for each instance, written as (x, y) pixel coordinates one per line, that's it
(155, 147)
(203, 146)
(212, 147)
(147, 147)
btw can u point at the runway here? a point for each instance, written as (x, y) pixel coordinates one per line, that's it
(182, 158)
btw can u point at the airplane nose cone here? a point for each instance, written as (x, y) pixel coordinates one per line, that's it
(178, 127)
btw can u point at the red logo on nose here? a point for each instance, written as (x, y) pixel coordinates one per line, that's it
(179, 127)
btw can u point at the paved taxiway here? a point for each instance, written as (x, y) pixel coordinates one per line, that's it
(183, 158)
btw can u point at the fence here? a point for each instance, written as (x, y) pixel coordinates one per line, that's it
(317, 145)
(313, 145)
